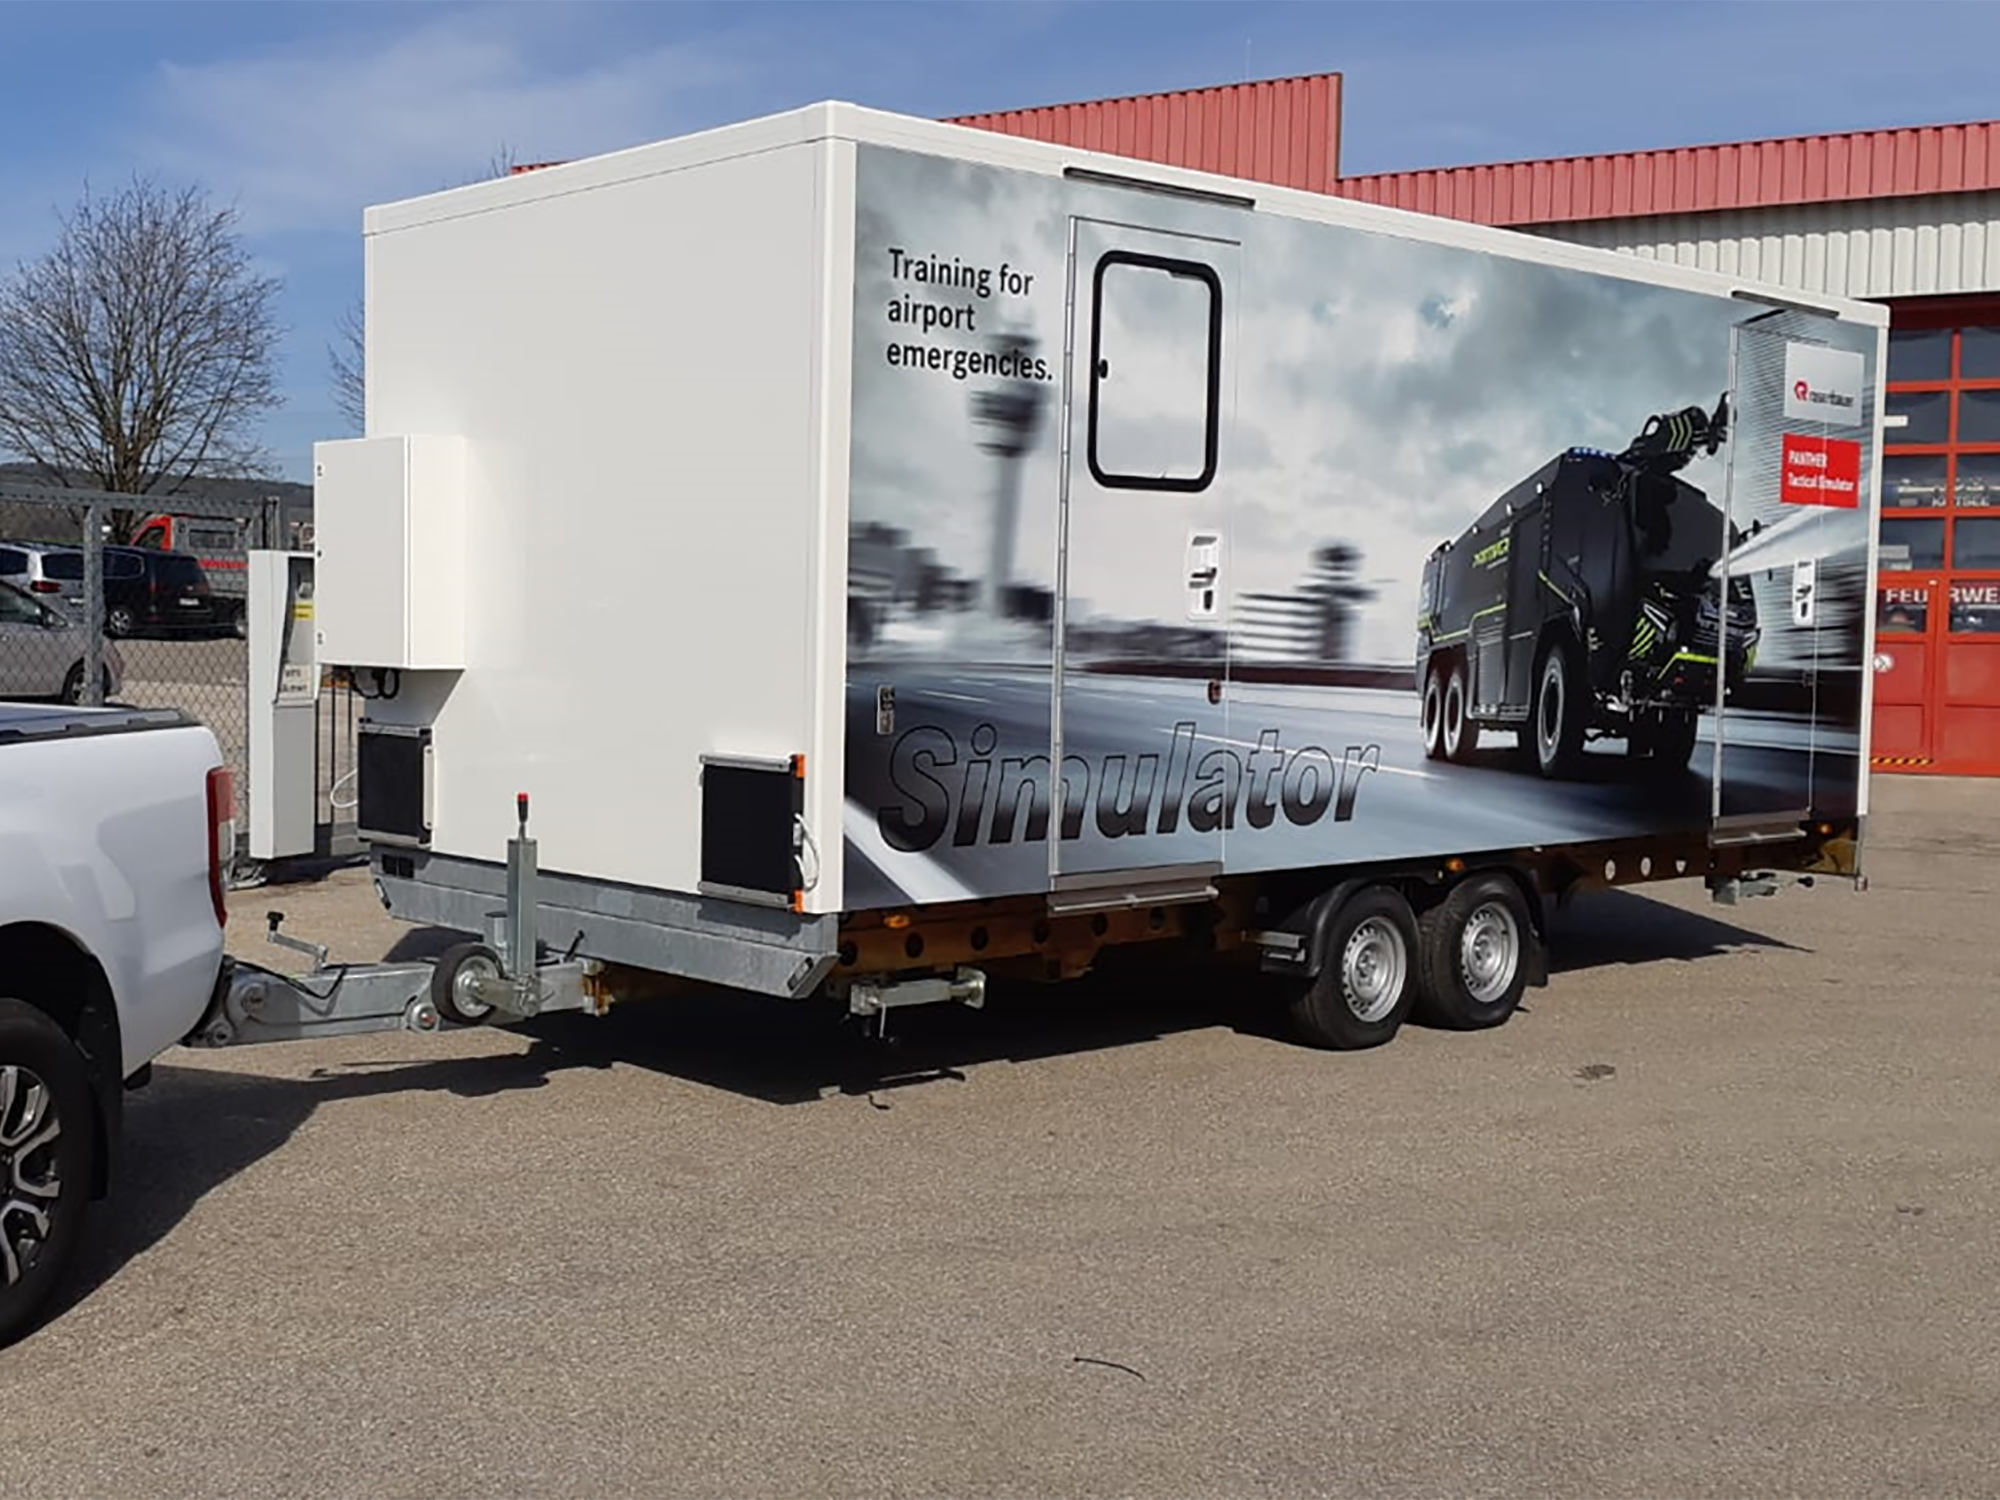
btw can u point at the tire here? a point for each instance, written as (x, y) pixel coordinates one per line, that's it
(45, 1177)
(450, 967)
(119, 621)
(1433, 714)
(1364, 992)
(1461, 735)
(1472, 954)
(72, 691)
(1557, 729)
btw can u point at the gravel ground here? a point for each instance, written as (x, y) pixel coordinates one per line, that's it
(1714, 1215)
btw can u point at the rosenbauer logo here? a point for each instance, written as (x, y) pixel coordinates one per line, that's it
(1823, 385)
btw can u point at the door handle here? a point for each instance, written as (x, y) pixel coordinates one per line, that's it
(1203, 573)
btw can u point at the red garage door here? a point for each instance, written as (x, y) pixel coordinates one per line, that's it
(1937, 684)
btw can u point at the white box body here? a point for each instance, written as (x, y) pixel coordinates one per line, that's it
(676, 454)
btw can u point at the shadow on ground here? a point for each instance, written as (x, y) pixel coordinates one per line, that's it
(195, 1129)
(1607, 928)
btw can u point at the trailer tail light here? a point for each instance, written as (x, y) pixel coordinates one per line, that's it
(221, 838)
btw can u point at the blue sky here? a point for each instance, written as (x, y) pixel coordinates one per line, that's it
(302, 114)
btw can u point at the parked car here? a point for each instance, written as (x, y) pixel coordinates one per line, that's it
(42, 650)
(46, 569)
(117, 827)
(220, 544)
(148, 592)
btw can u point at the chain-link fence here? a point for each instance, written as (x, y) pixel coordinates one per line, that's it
(124, 599)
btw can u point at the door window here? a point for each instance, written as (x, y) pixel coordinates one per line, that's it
(16, 608)
(1155, 373)
(1902, 611)
(1975, 609)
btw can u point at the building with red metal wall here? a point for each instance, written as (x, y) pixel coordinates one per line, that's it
(1908, 217)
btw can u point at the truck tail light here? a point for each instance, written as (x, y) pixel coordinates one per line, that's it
(221, 838)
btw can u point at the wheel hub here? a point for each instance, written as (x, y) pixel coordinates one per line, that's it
(1489, 951)
(28, 1126)
(1373, 968)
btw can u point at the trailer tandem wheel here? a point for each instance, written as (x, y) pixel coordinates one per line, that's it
(1367, 975)
(1473, 953)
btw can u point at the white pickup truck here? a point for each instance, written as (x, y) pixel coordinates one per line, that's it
(116, 833)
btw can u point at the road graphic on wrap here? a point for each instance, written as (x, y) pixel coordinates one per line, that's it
(951, 804)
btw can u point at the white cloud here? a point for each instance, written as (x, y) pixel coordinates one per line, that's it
(304, 137)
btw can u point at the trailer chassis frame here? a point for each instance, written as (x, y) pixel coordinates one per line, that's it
(509, 977)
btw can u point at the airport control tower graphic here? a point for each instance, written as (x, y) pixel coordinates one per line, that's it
(1008, 414)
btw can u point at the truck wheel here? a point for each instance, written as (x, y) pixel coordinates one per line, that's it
(1364, 989)
(451, 993)
(1558, 726)
(1471, 954)
(48, 1147)
(1433, 715)
(1461, 735)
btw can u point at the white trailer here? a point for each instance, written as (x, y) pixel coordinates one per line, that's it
(890, 554)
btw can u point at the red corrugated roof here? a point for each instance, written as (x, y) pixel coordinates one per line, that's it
(1750, 174)
(1284, 131)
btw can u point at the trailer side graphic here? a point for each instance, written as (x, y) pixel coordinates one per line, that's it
(1275, 569)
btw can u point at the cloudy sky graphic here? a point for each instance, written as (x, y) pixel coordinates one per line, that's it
(1377, 390)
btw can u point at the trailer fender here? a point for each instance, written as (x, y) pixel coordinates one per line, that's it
(1535, 958)
(1296, 947)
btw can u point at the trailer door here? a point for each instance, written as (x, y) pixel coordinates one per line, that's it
(1142, 666)
(1787, 730)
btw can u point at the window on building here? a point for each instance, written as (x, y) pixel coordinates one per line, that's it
(1926, 416)
(1975, 543)
(1978, 482)
(1979, 416)
(1910, 544)
(1913, 481)
(1978, 355)
(1920, 354)
(1941, 468)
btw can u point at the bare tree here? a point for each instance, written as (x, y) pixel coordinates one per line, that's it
(137, 354)
(346, 356)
